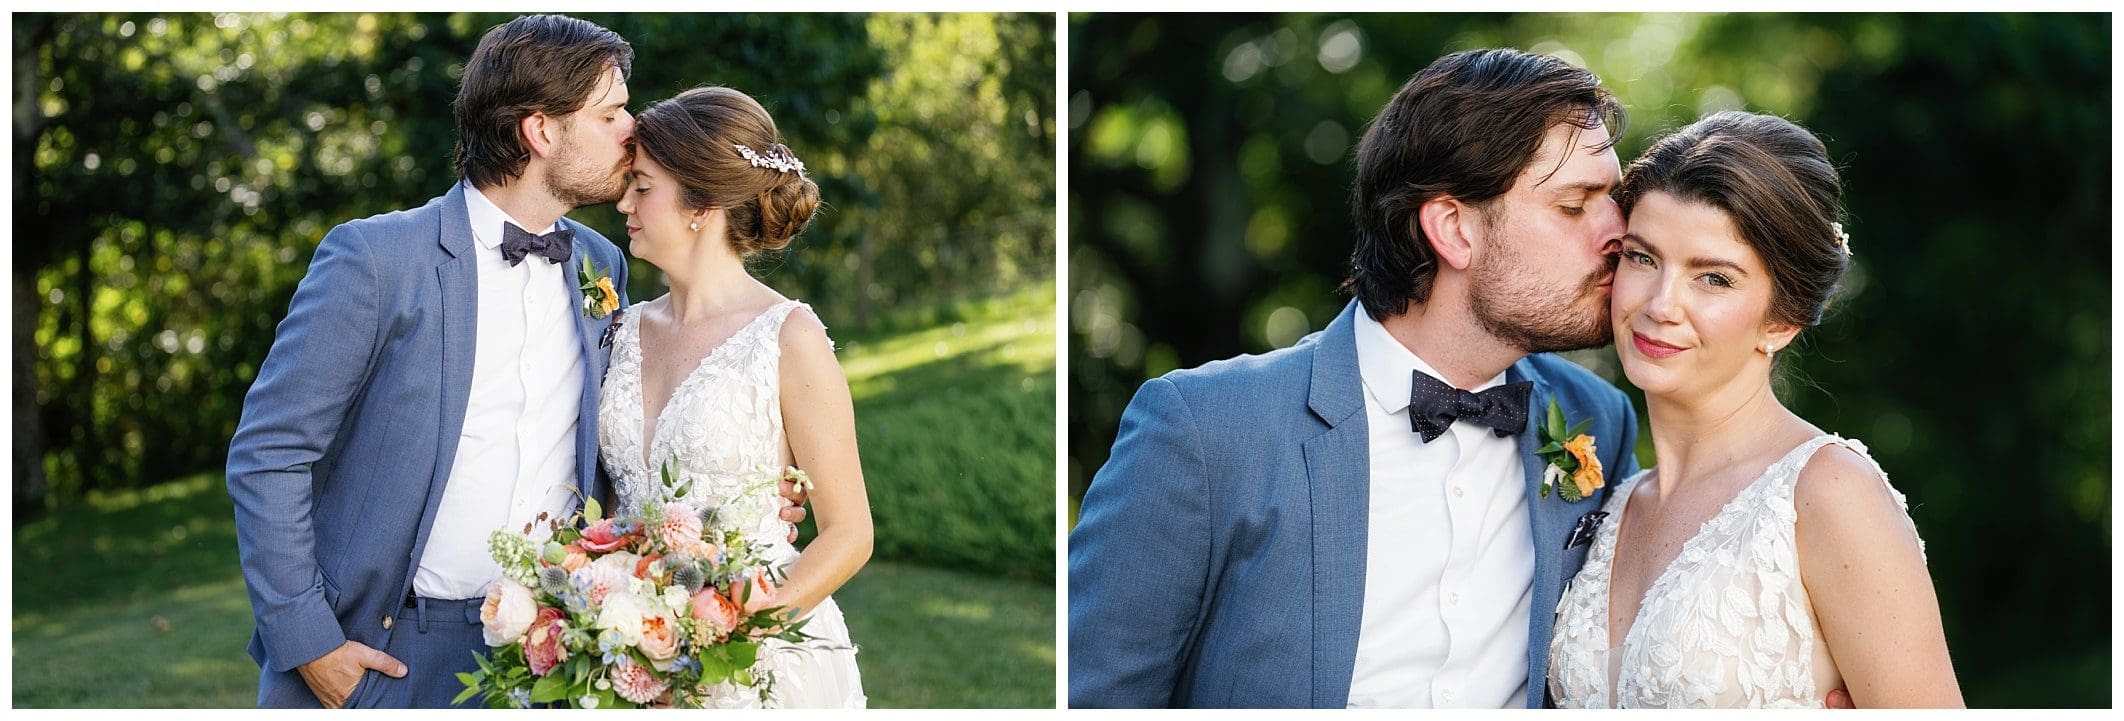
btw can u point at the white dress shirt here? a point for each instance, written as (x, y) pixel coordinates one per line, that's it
(1449, 566)
(516, 455)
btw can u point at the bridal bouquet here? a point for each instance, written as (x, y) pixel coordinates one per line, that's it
(653, 608)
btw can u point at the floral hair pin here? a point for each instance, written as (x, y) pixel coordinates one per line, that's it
(780, 160)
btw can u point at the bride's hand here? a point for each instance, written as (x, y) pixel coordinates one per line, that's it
(1838, 699)
(794, 512)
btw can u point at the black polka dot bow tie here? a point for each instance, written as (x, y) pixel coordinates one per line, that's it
(517, 243)
(1434, 405)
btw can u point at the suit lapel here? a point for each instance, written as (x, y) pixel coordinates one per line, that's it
(587, 332)
(1338, 468)
(457, 283)
(1548, 519)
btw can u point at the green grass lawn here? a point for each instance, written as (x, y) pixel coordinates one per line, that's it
(955, 417)
(134, 599)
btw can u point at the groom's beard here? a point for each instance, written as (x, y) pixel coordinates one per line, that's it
(1535, 319)
(577, 183)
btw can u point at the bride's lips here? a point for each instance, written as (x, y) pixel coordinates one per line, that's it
(631, 230)
(1652, 348)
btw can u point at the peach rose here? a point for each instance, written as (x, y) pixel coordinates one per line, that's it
(758, 593)
(659, 639)
(507, 612)
(715, 612)
(575, 558)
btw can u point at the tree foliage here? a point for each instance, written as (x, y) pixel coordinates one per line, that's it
(1210, 166)
(174, 173)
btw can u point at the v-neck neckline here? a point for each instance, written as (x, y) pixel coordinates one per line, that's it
(650, 434)
(1607, 616)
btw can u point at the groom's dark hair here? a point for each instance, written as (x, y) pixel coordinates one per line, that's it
(1464, 127)
(533, 64)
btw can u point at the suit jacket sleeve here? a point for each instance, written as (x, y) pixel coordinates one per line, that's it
(320, 359)
(1139, 557)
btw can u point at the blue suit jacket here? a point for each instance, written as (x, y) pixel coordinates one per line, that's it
(1219, 556)
(347, 436)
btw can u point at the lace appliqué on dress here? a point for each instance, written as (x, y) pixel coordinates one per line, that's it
(723, 428)
(1727, 624)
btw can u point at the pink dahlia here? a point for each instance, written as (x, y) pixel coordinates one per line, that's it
(681, 529)
(637, 683)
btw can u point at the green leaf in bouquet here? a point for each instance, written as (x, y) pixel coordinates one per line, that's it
(592, 511)
(1551, 448)
(465, 694)
(743, 654)
(1578, 429)
(716, 665)
(1555, 421)
(553, 687)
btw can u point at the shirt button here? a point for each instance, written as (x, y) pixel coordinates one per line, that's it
(387, 623)
(1453, 599)
(1446, 694)
(1459, 491)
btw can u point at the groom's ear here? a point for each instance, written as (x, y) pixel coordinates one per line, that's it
(1448, 224)
(538, 130)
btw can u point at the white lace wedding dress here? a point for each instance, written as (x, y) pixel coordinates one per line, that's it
(1726, 625)
(723, 426)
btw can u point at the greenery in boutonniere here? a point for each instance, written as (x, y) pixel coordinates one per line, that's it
(599, 297)
(1571, 456)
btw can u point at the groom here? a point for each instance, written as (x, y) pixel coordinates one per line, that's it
(436, 379)
(1357, 520)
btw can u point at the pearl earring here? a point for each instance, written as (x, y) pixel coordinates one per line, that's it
(694, 225)
(1768, 348)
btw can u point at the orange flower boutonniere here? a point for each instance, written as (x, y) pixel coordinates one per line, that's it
(1574, 464)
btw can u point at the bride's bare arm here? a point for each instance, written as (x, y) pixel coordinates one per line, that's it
(1860, 561)
(819, 418)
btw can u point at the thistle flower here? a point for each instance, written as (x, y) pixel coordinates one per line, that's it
(689, 577)
(553, 580)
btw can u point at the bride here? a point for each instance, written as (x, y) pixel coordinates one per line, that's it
(1764, 562)
(729, 380)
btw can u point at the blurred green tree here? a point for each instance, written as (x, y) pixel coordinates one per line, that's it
(174, 173)
(1209, 171)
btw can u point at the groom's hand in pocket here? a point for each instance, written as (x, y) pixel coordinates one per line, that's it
(332, 676)
(794, 512)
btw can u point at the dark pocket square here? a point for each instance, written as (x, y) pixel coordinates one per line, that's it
(1588, 527)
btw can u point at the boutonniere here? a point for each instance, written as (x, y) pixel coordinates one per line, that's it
(1574, 466)
(599, 297)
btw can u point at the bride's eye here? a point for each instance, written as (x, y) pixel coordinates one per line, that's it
(1637, 257)
(1717, 281)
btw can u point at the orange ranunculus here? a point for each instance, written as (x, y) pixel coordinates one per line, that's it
(607, 298)
(1587, 477)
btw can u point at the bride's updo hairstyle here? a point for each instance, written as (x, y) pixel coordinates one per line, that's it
(1774, 180)
(762, 189)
